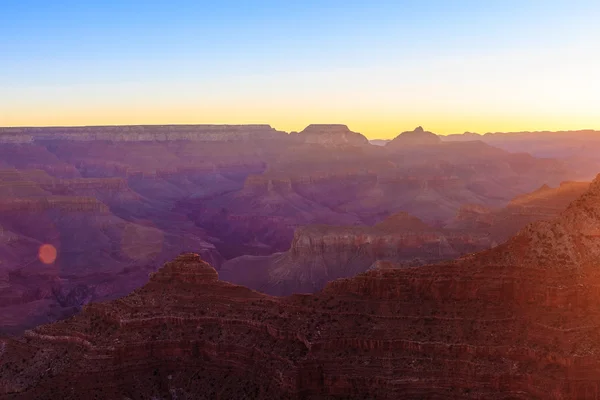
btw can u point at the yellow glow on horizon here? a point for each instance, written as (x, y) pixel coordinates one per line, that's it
(503, 91)
(375, 128)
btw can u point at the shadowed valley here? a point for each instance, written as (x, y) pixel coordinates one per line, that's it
(281, 212)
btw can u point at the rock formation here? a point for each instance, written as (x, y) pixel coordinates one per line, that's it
(579, 149)
(517, 321)
(322, 253)
(418, 137)
(116, 202)
(141, 133)
(500, 224)
(329, 135)
(345, 185)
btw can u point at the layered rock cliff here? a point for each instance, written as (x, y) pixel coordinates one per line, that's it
(141, 133)
(518, 321)
(156, 191)
(60, 203)
(344, 185)
(321, 253)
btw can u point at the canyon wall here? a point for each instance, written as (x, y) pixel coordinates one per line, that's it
(116, 202)
(516, 321)
(321, 253)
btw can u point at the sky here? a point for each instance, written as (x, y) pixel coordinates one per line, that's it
(381, 67)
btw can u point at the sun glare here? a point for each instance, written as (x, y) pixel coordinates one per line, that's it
(47, 253)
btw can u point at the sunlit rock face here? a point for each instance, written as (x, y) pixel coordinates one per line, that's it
(569, 242)
(517, 321)
(502, 223)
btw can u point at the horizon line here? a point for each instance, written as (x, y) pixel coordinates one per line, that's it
(6, 127)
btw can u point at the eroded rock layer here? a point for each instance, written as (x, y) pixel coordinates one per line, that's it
(140, 133)
(321, 253)
(516, 322)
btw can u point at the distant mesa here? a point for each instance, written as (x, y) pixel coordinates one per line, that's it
(417, 137)
(463, 137)
(330, 134)
(142, 133)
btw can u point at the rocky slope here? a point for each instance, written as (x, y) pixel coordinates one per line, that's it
(519, 321)
(500, 224)
(322, 253)
(33, 156)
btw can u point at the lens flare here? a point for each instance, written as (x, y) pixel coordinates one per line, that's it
(47, 253)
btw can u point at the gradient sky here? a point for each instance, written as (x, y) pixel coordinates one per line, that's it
(380, 67)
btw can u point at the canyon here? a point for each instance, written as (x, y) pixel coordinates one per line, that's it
(516, 321)
(322, 253)
(351, 185)
(116, 202)
(99, 255)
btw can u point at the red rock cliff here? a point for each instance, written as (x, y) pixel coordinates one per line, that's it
(518, 321)
(321, 253)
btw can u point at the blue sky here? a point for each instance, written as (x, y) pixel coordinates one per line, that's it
(379, 66)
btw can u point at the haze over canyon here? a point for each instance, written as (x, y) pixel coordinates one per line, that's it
(426, 266)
